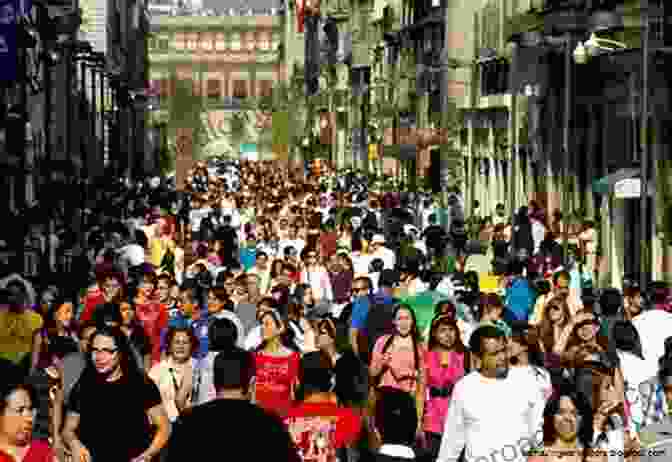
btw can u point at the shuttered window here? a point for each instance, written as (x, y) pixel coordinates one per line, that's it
(214, 89)
(239, 89)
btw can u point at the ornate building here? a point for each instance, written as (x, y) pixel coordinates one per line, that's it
(231, 54)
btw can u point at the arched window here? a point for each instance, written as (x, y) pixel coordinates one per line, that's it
(235, 41)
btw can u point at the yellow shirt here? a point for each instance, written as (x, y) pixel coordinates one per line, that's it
(157, 248)
(16, 333)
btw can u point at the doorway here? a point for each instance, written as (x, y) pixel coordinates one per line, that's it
(633, 240)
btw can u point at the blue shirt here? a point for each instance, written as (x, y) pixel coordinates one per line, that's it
(520, 299)
(360, 311)
(248, 257)
(200, 327)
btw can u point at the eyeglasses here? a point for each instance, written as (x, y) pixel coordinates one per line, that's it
(23, 411)
(106, 351)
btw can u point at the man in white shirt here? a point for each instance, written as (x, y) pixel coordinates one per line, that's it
(132, 254)
(493, 416)
(196, 216)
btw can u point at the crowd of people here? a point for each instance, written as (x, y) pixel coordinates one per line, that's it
(296, 317)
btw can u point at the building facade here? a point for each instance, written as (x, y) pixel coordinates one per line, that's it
(540, 125)
(232, 61)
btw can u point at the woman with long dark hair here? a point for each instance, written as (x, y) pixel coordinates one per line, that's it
(17, 416)
(556, 318)
(398, 360)
(276, 364)
(57, 337)
(114, 406)
(444, 366)
(567, 429)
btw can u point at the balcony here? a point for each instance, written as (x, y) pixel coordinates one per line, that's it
(586, 5)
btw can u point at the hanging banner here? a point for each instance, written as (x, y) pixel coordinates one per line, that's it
(8, 35)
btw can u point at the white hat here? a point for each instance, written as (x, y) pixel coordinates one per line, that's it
(378, 238)
(410, 228)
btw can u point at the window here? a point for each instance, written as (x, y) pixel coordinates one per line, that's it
(220, 42)
(214, 89)
(197, 88)
(192, 42)
(265, 88)
(206, 42)
(179, 42)
(494, 77)
(251, 41)
(163, 44)
(239, 89)
(265, 41)
(163, 87)
(235, 41)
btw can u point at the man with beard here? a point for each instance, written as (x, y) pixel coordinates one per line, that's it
(492, 415)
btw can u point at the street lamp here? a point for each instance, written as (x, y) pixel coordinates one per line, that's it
(584, 51)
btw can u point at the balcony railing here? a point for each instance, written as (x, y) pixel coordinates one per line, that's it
(588, 5)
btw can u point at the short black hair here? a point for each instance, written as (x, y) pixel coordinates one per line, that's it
(481, 333)
(395, 416)
(316, 374)
(222, 335)
(611, 301)
(107, 312)
(233, 370)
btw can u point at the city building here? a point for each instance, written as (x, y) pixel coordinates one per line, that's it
(230, 53)
(545, 122)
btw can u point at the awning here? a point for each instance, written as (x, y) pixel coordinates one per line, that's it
(607, 184)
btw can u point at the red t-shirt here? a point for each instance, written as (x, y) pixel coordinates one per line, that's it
(154, 318)
(318, 429)
(39, 451)
(275, 377)
(92, 299)
(328, 244)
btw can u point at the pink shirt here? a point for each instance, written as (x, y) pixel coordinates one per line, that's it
(437, 376)
(403, 371)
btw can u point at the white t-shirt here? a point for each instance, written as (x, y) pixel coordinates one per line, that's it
(388, 256)
(538, 234)
(253, 339)
(361, 263)
(492, 416)
(196, 216)
(134, 254)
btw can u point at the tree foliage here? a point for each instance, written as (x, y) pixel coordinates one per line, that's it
(185, 111)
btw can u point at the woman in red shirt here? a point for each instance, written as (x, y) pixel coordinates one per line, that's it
(109, 288)
(152, 315)
(276, 365)
(17, 415)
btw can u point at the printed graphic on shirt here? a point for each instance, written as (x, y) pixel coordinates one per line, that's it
(273, 377)
(315, 437)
